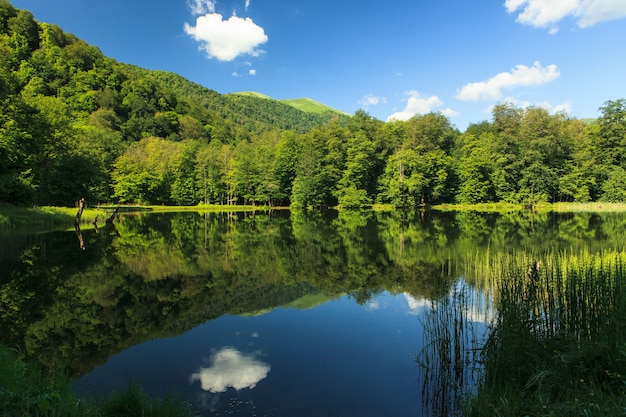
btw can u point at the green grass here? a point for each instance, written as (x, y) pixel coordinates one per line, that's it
(43, 216)
(26, 390)
(253, 94)
(557, 346)
(309, 106)
(65, 216)
(502, 207)
(588, 207)
(306, 105)
(483, 207)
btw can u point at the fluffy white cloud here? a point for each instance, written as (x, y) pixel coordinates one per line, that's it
(227, 39)
(416, 104)
(230, 368)
(547, 13)
(252, 72)
(520, 76)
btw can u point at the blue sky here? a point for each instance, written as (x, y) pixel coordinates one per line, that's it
(392, 59)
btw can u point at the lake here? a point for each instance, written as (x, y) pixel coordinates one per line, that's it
(267, 314)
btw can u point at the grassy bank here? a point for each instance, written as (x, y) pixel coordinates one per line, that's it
(596, 207)
(43, 216)
(557, 346)
(64, 216)
(25, 390)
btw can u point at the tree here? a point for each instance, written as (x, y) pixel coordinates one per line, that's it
(476, 167)
(285, 164)
(611, 136)
(614, 188)
(145, 172)
(357, 175)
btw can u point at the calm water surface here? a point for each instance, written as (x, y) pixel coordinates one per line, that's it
(279, 314)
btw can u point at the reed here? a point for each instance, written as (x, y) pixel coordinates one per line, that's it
(449, 358)
(557, 345)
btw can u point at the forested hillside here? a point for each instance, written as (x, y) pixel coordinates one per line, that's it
(74, 123)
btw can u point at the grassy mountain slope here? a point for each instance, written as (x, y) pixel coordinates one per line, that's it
(304, 104)
(310, 106)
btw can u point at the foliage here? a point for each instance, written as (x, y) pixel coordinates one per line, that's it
(28, 390)
(75, 123)
(556, 346)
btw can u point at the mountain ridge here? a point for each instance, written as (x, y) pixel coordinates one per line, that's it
(304, 104)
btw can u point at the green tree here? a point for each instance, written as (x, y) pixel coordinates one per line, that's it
(184, 186)
(285, 165)
(358, 172)
(476, 167)
(614, 188)
(145, 172)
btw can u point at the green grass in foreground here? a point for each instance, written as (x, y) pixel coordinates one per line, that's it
(557, 346)
(25, 390)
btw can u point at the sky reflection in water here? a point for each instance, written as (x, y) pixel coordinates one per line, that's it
(339, 358)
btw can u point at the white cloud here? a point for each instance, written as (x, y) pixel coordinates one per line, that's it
(247, 4)
(227, 39)
(551, 108)
(230, 368)
(520, 76)
(372, 100)
(252, 72)
(199, 7)
(416, 305)
(449, 112)
(547, 13)
(416, 104)
(372, 305)
(557, 108)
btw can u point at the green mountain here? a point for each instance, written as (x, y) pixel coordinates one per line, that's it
(67, 112)
(306, 105)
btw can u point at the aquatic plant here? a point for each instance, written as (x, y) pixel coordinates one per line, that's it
(453, 334)
(557, 345)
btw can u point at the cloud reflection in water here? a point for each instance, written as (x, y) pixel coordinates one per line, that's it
(231, 368)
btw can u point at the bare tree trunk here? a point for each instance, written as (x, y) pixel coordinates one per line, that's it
(82, 203)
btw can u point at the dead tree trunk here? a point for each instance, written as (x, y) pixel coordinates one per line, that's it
(82, 203)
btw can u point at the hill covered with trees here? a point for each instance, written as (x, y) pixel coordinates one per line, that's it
(75, 123)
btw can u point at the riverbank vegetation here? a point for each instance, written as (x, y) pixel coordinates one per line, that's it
(555, 345)
(77, 124)
(43, 216)
(27, 390)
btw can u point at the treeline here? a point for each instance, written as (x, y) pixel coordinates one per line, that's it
(67, 113)
(74, 123)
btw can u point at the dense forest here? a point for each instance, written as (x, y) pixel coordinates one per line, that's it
(74, 123)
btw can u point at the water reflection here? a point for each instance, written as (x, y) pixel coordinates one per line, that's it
(231, 368)
(416, 304)
(160, 276)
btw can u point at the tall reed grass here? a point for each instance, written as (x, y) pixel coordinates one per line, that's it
(452, 339)
(557, 345)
